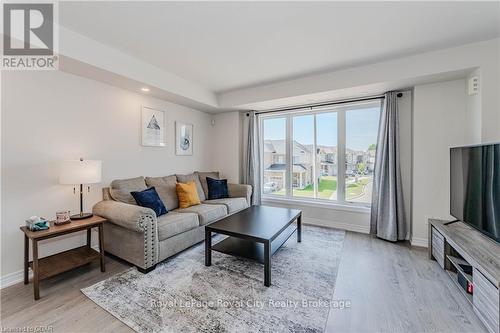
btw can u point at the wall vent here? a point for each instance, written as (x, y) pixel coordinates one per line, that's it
(473, 86)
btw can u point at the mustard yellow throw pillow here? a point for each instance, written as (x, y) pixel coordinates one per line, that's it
(187, 194)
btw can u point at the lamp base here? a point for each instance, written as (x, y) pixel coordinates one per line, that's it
(81, 216)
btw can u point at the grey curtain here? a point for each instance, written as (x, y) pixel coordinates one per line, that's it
(252, 158)
(387, 211)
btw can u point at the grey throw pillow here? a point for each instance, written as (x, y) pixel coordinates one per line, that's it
(120, 189)
(203, 179)
(165, 186)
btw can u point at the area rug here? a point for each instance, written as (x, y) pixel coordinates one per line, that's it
(183, 295)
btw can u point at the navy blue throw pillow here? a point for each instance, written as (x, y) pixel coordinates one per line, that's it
(149, 198)
(217, 188)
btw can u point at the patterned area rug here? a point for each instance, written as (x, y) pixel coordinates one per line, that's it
(182, 295)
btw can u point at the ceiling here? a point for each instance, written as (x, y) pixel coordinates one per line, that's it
(225, 46)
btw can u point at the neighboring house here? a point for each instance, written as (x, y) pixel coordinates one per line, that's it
(357, 159)
(371, 158)
(327, 156)
(275, 165)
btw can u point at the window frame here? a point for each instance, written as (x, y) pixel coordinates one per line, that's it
(341, 203)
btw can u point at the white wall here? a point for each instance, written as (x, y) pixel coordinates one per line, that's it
(348, 219)
(88, 57)
(52, 116)
(489, 94)
(419, 69)
(441, 120)
(226, 151)
(474, 110)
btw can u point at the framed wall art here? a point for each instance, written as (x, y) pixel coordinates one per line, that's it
(183, 138)
(153, 127)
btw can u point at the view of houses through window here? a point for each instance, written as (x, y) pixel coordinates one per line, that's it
(303, 146)
(360, 143)
(313, 142)
(274, 158)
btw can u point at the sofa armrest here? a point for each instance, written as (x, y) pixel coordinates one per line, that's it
(135, 223)
(240, 191)
(128, 216)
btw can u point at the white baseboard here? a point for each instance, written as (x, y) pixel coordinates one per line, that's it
(420, 242)
(13, 278)
(335, 224)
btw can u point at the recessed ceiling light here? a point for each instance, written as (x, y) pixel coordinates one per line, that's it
(145, 89)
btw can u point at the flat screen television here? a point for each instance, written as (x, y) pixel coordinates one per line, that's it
(475, 187)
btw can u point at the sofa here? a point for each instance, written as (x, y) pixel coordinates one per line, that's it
(137, 235)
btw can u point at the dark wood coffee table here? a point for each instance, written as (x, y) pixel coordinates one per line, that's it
(255, 233)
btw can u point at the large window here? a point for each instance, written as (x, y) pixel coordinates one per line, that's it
(325, 154)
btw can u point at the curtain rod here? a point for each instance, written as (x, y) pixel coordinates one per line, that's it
(326, 104)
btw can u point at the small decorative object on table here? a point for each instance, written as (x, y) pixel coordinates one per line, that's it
(62, 217)
(36, 223)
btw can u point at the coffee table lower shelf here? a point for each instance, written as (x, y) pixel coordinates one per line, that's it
(250, 249)
(65, 261)
(255, 233)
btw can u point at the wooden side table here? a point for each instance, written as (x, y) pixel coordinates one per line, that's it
(61, 262)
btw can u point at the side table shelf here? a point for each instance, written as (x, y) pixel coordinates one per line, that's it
(65, 261)
(46, 267)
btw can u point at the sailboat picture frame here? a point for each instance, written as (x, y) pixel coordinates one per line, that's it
(153, 127)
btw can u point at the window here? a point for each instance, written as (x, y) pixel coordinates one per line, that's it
(274, 159)
(303, 146)
(360, 144)
(325, 154)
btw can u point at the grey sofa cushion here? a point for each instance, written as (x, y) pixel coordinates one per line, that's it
(193, 177)
(165, 186)
(232, 204)
(203, 179)
(120, 189)
(206, 213)
(174, 223)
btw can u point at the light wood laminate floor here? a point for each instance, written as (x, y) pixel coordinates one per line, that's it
(395, 288)
(391, 287)
(62, 306)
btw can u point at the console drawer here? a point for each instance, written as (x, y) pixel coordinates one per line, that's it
(486, 301)
(438, 247)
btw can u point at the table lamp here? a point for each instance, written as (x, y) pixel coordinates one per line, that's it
(80, 172)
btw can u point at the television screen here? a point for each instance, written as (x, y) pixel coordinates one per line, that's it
(475, 187)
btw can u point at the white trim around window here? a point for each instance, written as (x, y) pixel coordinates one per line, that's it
(319, 203)
(285, 187)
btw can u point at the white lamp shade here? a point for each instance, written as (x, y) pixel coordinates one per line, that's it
(80, 172)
